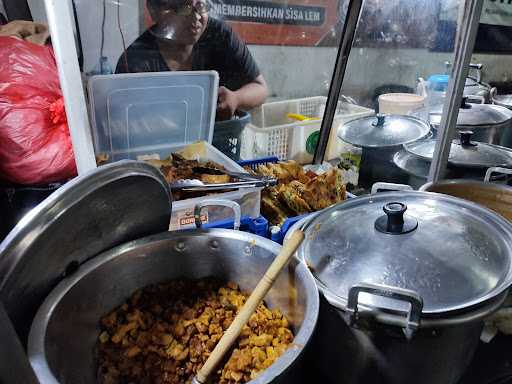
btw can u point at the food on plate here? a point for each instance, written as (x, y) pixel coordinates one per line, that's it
(165, 332)
(176, 167)
(299, 192)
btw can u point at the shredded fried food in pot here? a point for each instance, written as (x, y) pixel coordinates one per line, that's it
(165, 332)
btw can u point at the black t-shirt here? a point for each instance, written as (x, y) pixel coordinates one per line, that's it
(218, 49)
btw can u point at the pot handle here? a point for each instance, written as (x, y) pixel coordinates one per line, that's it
(380, 186)
(412, 321)
(237, 212)
(478, 98)
(490, 171)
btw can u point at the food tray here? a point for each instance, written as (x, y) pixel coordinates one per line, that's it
(272, 133)
(278, 235)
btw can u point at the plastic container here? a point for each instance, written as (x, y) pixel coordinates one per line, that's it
(272, 133)
(248, 198)
(139, 113)
(151, 115)
(400, 103)
(227, 134)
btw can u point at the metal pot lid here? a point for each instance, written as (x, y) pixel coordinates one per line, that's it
(464, 152)
(108, 206)
(452, 253)
(503, 100)
(474, 114)
(411, 164)
(383, 130)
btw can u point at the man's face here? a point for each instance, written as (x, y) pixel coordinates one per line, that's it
(184, 21)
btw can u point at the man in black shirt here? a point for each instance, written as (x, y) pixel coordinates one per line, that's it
(185, 38)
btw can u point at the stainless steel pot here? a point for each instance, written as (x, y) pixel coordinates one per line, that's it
(103, 235)
(488, 122)
(66, 326)
(405, 292)
(476, 87)
(468, 159)
(493, 196)
(503, 100)
(380, 137)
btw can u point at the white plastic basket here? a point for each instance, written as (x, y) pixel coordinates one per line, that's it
(272, 133)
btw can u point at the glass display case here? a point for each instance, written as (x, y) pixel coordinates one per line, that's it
(399, 63)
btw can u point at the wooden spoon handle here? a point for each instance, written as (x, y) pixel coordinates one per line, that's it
(250, 306)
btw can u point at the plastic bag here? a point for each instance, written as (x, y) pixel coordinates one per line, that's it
(35, 145)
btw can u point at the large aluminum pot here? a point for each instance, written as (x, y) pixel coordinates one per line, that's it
(380, 137)
(489, 122)
(66, 327)
(405, 293)
(493, 196)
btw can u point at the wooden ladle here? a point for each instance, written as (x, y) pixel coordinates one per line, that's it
(264, 285)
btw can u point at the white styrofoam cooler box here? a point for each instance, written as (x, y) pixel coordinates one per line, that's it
(137, 115)
(272, 133)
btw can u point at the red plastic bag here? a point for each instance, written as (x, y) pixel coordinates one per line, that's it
(35, 146)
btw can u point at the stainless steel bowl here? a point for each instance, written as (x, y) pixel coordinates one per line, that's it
(66, 327)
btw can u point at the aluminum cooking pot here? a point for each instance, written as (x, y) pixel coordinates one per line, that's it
(68, 320)
(493, 196)
(102, 236)
(468, 159)
(380, 137)
(406, 279)
(476, 87)
(503, 100)
(489, 122)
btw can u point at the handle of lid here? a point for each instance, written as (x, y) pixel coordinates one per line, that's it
(490, 171)
(395, 213)
(395, 222)
(237, 212)
(465, 139)
(475, 99)
(381, 187)
(478, 69)
(412, 320)
(381, 119)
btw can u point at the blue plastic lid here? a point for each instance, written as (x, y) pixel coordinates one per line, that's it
(438, 82)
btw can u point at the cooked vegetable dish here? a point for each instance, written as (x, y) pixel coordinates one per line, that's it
(299, 192)
(165, 332)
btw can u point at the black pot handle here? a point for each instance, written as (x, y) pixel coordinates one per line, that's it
(412, 321)
(381, 119)
(465, 139)
(394, 222)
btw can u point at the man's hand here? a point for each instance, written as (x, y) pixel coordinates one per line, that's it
(227, 104)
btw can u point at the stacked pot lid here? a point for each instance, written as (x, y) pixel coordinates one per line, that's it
(464, 153)
(437, 253)
(383, 131)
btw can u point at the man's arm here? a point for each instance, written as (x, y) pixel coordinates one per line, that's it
(247, 97)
